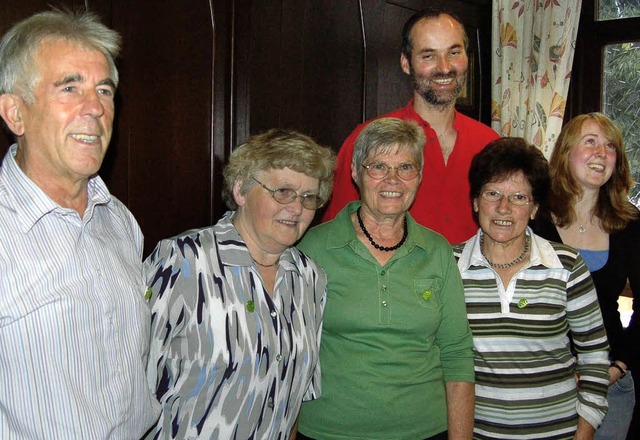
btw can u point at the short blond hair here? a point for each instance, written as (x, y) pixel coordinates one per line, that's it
(278, 149)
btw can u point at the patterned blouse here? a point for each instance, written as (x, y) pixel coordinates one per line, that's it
(227, 360)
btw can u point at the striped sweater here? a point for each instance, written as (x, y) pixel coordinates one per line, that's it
(532, 338)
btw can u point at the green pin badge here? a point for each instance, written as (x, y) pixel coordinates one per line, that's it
(250, 306)
(147, 294)
(426, 295)
(523, 303)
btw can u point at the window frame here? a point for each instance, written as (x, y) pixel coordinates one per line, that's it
(593, 36)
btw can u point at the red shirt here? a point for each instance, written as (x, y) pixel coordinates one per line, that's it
(442, 202)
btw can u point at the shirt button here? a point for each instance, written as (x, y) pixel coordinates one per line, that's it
(279, 357)
(384, 304)
(273, 314)
(384, 288)
(270, 404)
(382, 273)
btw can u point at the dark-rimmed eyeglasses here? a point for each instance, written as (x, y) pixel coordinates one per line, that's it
(380, 170)
(516, 199)
(285, 196)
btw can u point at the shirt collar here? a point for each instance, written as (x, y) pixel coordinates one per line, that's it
(30, 203)
(411, 112)
(542, 253)
(232, 250)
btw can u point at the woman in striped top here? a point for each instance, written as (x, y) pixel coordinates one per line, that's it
(540, 345)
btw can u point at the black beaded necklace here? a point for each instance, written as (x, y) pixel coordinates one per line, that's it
(376, 245)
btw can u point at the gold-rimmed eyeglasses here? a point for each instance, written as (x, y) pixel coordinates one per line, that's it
(380, 170)
(285, 196)
(516, 199)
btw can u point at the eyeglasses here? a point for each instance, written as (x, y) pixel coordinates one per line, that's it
(380, 170)
(516, 199)
(286, 196)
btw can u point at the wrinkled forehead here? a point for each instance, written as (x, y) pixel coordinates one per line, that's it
(60, 53)
(53, 47)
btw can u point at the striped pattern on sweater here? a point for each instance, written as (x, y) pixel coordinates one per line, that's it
(525, 337)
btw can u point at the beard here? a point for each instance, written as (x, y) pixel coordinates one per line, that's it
(438, 98)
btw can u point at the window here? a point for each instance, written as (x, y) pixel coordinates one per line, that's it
(617, 9)
(608, 54)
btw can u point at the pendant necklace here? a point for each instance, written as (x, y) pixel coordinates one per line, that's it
(376, 245)
(581, 226)
(511, 263)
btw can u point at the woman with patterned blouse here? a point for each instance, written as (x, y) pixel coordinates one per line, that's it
(236, 309)
(540, 344)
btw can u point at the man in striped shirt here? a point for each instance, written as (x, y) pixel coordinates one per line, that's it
(74, 325)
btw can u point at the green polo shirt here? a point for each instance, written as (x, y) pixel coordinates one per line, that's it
(392, 335)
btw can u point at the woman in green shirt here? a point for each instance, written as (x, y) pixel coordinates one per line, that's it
(396, 351)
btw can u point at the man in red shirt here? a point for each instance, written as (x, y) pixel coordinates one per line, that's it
(434, 45)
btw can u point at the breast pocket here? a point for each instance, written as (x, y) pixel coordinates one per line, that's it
(427, 292)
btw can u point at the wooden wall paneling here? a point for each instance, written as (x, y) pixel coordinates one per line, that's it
(372, 13)
(232, 65)
(230, 90)
(388, 87)
(330, 101)
(306, 67)
(165, 122)
(264, 49)
(484, 62)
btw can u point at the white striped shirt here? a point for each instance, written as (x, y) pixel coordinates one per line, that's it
(522, 333)
(74, 326)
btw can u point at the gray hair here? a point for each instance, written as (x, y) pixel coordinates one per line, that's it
(278, 149)
(385, 135)
(18, 47)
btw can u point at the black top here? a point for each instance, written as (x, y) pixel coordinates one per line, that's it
(610, 280)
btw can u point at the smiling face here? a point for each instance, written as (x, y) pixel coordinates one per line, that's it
(63, 136)
(438, 63)
(501, 221)
(267, 226)
(390, 196)
(593, 159)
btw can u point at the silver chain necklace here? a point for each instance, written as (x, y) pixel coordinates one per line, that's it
(509, 264)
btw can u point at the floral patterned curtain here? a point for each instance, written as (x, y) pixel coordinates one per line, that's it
(533, 44)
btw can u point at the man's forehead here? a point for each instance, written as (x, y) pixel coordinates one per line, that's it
(68, 57)
(429, 26)
(66, 44)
